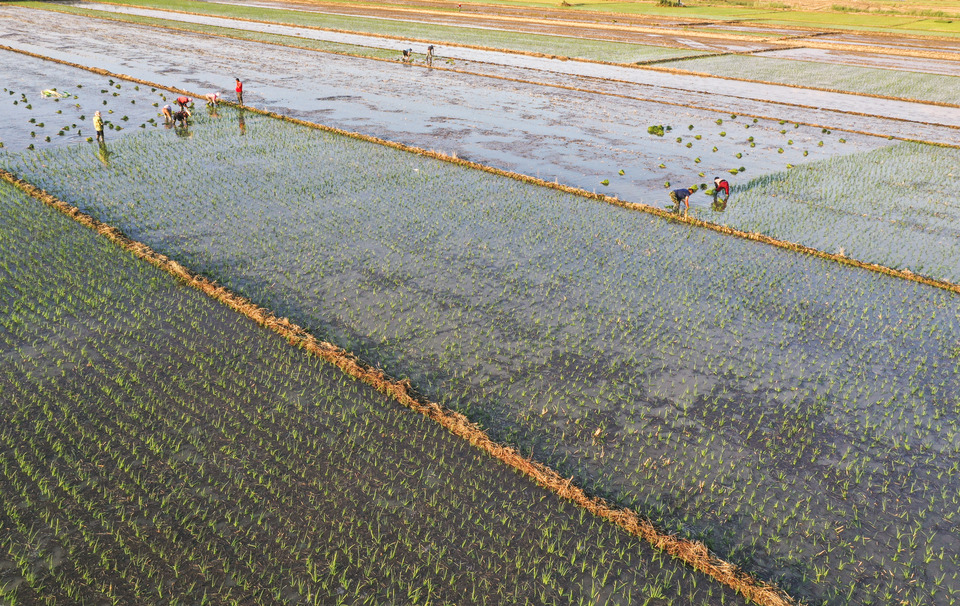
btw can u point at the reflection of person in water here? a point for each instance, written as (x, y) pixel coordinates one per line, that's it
(242, 122)
(103, 154)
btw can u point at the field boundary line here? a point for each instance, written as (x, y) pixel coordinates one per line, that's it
(904, 274)
(650, 64)
(693, 553)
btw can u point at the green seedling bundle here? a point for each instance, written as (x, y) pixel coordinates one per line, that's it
(791, 412)
(156, 447)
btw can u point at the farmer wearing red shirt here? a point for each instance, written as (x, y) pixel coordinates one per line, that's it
(183, 102)
(721, 185)
(239, 91)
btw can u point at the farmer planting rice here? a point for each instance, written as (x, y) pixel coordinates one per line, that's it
(678, 195)
(167, 114)
(212, 98)
(721, 185)
(429, 58)
(183, 101)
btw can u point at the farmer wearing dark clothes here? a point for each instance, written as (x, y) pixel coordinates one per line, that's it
(183, 102)
(430, 56)
(681, 195)
(239, 91)
(721, 185)
(98, 126)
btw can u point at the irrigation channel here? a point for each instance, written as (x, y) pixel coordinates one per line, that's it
(792, 413)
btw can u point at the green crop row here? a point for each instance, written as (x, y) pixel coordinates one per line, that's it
(871, 81)
(156, 447)
(792, 413)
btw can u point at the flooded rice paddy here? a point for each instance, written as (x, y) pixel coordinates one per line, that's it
(795, 414)
(755, 399)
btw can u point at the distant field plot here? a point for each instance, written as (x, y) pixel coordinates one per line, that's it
(793, 413)
(898, 206)
(155, 446)
(873, 81)
(601, 50)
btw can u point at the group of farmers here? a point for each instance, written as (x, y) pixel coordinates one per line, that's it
(677, 196)
(174, 117)
(682, 195)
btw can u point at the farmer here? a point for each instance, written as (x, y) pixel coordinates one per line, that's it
(407, 55)
(212, 98)
(167, 114)
(681, 195)
(98, 126)
(429, 58)
(239, 91)
(721, 185)
(183, 102)
(181, 117)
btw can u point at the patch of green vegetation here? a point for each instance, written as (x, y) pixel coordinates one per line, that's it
(598, 50)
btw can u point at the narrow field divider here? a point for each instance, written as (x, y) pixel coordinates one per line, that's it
(693, 553)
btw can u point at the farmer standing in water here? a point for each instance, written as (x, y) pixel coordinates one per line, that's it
(183, 101)
(429, 58)
(239, 91)
(98, 126)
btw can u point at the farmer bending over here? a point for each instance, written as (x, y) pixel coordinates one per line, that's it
(167, 114)
(681, 195)
(429, 58)
(212, 98)
(407, 55)
(721, 185)
(183, 102)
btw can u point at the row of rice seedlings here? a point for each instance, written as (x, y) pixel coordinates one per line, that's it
(894, 206)
(626, 351)
(156, 447)
(937, 88)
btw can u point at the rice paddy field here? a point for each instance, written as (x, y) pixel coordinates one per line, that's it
(796, 415)
(159, 448)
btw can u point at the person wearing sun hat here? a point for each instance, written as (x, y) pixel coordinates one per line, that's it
(98, 126)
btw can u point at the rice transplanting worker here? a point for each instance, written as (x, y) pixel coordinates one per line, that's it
(239, 91)
(721, 185)
(183, 101)
(681, 195)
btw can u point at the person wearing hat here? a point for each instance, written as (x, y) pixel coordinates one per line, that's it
(721, 185)
(429, 58)
(681, 195)
(98, 126)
